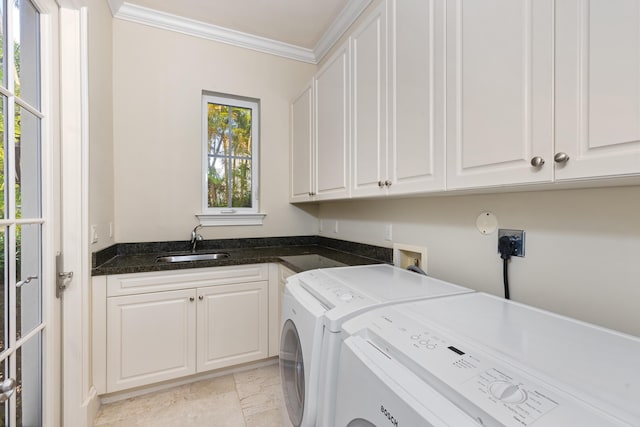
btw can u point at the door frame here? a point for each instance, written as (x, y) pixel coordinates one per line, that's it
(79, 398)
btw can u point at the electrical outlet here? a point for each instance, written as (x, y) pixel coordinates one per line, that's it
(94, 234)
(518, 236)
(388, 232)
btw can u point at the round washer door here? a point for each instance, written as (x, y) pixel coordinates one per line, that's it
(292, 372)
(359, 422)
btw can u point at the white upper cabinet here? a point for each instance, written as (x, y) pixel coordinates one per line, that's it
(452, 94)
(499, 71)
(597, 88)
(416, 97)
(369, 105)
(301, 147)
(398, 99)
(332, 127)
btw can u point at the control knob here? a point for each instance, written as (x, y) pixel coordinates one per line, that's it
(507, 392)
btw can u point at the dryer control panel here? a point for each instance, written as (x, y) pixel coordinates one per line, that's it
(338, 298)
(491, 389)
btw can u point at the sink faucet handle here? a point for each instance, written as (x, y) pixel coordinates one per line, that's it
(194, 234)
(195, 238)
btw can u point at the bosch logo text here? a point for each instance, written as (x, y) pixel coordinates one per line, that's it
(390, 417)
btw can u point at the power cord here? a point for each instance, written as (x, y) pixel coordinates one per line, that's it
(506, 247)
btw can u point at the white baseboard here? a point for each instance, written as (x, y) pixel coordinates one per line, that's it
(139, 391)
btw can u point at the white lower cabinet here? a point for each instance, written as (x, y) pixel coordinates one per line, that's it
(152, 327)
(232, 325)
(150, 338)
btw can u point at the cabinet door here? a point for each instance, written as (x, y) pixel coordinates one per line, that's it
(150, 338)
(416, 146)
(369, 105)
(232, 324)
(598, 87)
(301, 151)
(332, 127)
(499, 92)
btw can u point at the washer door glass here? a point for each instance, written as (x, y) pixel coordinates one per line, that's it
(360, 423)
(292, 372)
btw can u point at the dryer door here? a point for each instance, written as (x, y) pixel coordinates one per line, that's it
(292, 372)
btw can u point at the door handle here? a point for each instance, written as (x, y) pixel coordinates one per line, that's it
(25, 281)
(7, 388)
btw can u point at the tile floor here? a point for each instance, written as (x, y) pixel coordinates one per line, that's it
(244, 399)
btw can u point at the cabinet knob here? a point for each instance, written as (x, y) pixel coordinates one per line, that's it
(192, 299)
(380, 184)
(387, 183)
(201, 297)
(537, 162)
(561, 157)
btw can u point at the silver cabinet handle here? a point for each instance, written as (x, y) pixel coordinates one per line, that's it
(25, 281)
(201, 297)
(387, 183)
(561, 157)
(192, 299)
(537, 162)
(380, 184)
(7, 388)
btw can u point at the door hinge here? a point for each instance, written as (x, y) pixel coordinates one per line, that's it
(62, 277)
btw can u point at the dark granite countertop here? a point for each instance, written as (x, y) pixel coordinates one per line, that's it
(297, 253)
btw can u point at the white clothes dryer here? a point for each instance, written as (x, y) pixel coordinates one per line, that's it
(315, 305)
(500, 362)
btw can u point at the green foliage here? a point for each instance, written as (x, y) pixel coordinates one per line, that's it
(229, 152)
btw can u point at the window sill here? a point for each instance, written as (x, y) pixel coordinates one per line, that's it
(209, 220)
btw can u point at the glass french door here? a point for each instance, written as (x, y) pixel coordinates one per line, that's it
(21, 216)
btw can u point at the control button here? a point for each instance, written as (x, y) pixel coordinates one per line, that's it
(431, 347)
(424, 342)
(346, 296)
(415, 337)
(507, 392)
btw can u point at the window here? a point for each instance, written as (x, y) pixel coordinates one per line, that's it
(230, 160)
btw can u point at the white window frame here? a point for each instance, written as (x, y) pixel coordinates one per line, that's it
(230, 215)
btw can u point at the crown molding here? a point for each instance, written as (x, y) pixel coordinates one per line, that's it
(339, 26)
(154, 18)
(115, 6)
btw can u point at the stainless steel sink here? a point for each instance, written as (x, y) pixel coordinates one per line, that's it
(193, 257)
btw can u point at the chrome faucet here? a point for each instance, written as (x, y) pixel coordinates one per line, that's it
(195, 238)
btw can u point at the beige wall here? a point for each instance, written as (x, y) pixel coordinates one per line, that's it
(582, 246)
(159, 77)
(100, 122)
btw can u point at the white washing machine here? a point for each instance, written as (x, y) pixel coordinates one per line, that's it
(315, 305)
(498, 362)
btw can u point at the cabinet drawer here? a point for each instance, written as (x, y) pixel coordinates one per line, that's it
(136, 283)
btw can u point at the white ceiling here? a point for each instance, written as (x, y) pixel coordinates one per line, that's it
(304, 30)
(298, 22)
